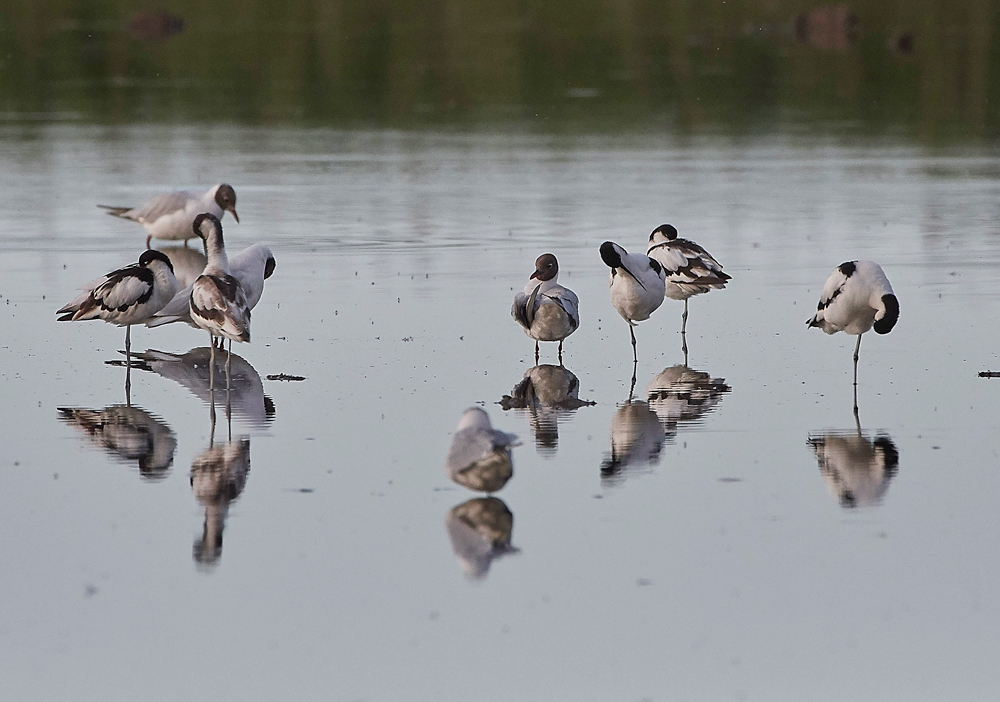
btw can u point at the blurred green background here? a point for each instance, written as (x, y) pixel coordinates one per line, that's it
(922, 69)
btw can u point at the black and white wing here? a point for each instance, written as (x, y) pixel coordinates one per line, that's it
(832, 289)
(686, 262)
(112, 297)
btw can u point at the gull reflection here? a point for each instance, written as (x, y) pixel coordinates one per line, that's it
(246, 391)
(636, 440)
(681, 395)
(128, 434)
(218, 476)
(856, 469)
(480, 531)
(547, 393)
(479, 457)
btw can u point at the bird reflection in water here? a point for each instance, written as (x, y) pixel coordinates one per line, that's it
(218, 476)
(246, 391)
(856, 469)
(480, 531)
(681, 395)
(636, 440)
(479, 457)
(547, 394)
(128, 434)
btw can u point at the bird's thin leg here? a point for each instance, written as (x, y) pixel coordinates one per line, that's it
(148, 239)
(684, 318)
(635, 355)
(211, 373)
(211, 413)
(631, 389)
(857, 417)
(128, 364)
(536, 353)
(857, 348)
(560, 353)
(684, 347)
(228, 359)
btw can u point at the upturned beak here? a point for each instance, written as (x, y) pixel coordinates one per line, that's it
(535, 275)
(235, 216)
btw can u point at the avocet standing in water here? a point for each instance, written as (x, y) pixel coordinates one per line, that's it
(637, 285)
(857, 297)
(690, 269)
(127, 296)
(171, 215)
(218, 302)
(546, 310)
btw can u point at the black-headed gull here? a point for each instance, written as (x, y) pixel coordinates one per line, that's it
(479, 457)
(127, 296)
(856, 297)
(547, 311)
(170, 215)
(251, 267)
(637, 285)
(690, 269)
(218, 302)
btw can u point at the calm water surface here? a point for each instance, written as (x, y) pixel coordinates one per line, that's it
(720, 532)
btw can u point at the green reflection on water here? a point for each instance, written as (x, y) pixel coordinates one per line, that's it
(919, 69)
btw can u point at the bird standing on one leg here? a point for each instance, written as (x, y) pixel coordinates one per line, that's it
(637, 285)
(690, 269)
(546, 310)
(127, 296)
(856, 297)
(218, 302)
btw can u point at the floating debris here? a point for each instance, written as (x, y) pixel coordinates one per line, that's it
(285, 376)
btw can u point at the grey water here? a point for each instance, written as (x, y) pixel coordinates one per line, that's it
(724, 530)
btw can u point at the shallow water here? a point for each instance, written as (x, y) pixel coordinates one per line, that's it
(692, 542)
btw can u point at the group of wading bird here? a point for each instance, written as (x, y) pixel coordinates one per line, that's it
(219, 301)
(856, 297)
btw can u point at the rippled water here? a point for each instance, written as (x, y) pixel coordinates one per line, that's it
(722, 531)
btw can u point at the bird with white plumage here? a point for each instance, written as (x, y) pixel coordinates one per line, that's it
(637, 285)
(856, 297)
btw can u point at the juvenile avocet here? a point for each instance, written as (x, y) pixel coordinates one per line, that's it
(251, 266)
(857, 296)
(218, 302)
(479, 457)
(171, 215)
(690, 269)
(637, 285)
(126, 296)
(547, 311)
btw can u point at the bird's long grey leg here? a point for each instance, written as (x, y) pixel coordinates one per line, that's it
(635, 355)
(211, 374)
(128, 364)
(560, 354)
(857, 348)
(684, 318)
(631, 389)
(536, 353)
